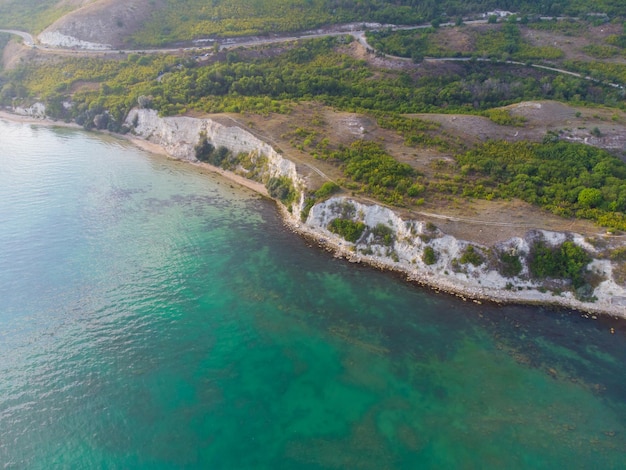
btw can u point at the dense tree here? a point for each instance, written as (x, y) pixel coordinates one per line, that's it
(568, 179)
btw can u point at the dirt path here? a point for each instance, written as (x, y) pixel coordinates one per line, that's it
(337, 30)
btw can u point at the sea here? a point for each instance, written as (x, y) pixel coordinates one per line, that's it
(154, 315)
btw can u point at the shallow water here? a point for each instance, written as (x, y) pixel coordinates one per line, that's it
(153, 316)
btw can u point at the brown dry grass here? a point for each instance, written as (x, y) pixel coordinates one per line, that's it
(480, 221)
(572, 46)
(455, 39)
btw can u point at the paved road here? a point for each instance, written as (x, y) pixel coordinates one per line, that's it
(28, 39)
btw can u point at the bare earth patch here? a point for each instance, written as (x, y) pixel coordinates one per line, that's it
(490, 222)
(572, 46)
(455, 39)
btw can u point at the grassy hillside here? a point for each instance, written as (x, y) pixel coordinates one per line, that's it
(31, 15)
(185, 20)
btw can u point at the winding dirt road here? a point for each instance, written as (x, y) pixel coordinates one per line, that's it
(29, 40)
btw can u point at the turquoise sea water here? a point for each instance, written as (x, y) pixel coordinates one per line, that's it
(152, 316)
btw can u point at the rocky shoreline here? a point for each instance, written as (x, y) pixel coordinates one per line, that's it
(442, 284)
(177, 137)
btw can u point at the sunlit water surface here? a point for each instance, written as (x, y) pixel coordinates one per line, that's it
(152, 316)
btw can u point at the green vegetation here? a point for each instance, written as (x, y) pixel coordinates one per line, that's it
(281, 188)
(503, 117)
(618, 256)
(503, 42)
(4, 40)
(506, 42)
(383, 234)
(602, 51)
(93, 85)
(566, 27)
(471, 255)
(567, 179)
(206, 152)
(178, 20)
(326, 190)
(429, 256)
(312, 70)
(31, 15)
(204, 149)
(610, 72)
(567, 261)
(417, 132)
(375, 172)
(510, 264)
(415, 44)
(195, 18)
(347, 228)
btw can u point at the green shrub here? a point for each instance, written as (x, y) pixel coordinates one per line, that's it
(309, 202)
(510, 264)
(503, 117)
(383, 234)
(327, 189)
(567, 261)
(618, 254)
(346, 228)
(471, 255)
(565, 178)
(590, 197)
(204, 149)
(281, 188)
(429, 256)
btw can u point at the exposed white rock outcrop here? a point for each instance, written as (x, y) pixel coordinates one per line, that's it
(180, 135)
(405, 253)
(388, 240)
(57, 39)
(37, 110)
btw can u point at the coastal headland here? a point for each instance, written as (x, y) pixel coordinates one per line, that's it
(418, 249)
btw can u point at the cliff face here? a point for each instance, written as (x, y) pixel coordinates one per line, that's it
(180, 135)
(414, 247)
(406, 248)
(37, 110)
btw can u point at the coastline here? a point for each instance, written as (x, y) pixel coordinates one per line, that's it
(439, 284)
(341, 249)
(140, 143)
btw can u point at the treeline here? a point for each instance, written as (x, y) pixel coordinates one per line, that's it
(313, 70)
(571, 180)
(181, 20)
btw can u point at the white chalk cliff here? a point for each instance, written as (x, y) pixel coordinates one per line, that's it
(404, 250)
